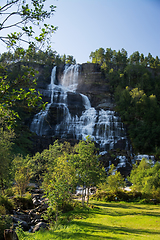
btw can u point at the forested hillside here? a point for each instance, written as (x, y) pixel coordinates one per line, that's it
(135, 83)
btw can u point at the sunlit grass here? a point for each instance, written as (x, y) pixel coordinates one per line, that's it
(109, 221)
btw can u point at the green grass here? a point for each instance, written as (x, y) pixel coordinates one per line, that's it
(109, 221)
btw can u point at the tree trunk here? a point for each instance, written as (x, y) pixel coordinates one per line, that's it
(87, 195)
(83, 196)
(2, 186)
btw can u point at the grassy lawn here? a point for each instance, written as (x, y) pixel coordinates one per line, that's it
(109, 221)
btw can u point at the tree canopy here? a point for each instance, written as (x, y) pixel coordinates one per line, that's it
(22, 20)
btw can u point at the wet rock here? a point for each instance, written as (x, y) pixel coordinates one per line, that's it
(21, 216)
(38, 226)
(23, 224)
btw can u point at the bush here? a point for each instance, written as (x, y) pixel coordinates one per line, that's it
(131, 196)
(66, 207)
(134, 196)
(100, 195)
(23, 202)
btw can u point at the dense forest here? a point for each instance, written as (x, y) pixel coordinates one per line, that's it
(135, 83)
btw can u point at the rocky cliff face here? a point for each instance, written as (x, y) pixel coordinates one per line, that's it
(93, 84)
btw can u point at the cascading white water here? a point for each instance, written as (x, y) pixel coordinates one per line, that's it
(52, 84)
(103, 126)
(70, 78)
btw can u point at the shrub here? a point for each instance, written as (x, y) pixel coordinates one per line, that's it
(23, 202)
(121, 196)
(66, 207)
(2, 210)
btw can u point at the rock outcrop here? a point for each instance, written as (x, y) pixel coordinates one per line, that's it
(31, 219)
(93, 84)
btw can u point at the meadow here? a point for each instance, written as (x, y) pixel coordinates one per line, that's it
(111, 220)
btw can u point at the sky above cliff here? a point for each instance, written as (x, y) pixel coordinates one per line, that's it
(87, 25)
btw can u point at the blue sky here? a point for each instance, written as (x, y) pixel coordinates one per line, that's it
(86, 25)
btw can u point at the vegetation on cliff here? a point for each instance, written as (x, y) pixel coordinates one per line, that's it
(134, 82)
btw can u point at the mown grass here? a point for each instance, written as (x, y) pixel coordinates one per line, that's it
(108, 221)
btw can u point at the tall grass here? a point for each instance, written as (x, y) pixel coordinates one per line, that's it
(108, 221)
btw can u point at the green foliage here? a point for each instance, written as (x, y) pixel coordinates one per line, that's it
(87, 166)
(6, 136)
(126, 196)
(61, 168)
(146, 178)
(142, 113)
(43, 163)
(134, 82)
(52, 168)
(115, 180)
(32, 56)
(22, 174)
(58, 184)
(6, 207)
(14, 92)
(20, 233)
(112, 183)
(26, 17)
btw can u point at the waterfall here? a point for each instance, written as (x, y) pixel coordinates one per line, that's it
(70, 77)
(70, 114)
(52, 84)
(86, 101)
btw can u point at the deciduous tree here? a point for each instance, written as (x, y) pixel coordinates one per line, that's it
(115, 181)
(86, 162)
(58, 185)
(22, 19)
(19, 18)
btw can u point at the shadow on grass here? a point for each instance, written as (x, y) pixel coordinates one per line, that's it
(95, 228)
(81, 229)
(79, 236)
(132, 209)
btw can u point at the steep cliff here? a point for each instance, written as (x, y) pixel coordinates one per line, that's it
(93, 84)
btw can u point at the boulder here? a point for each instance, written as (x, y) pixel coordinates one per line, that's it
(38, 226)
(23, 224)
